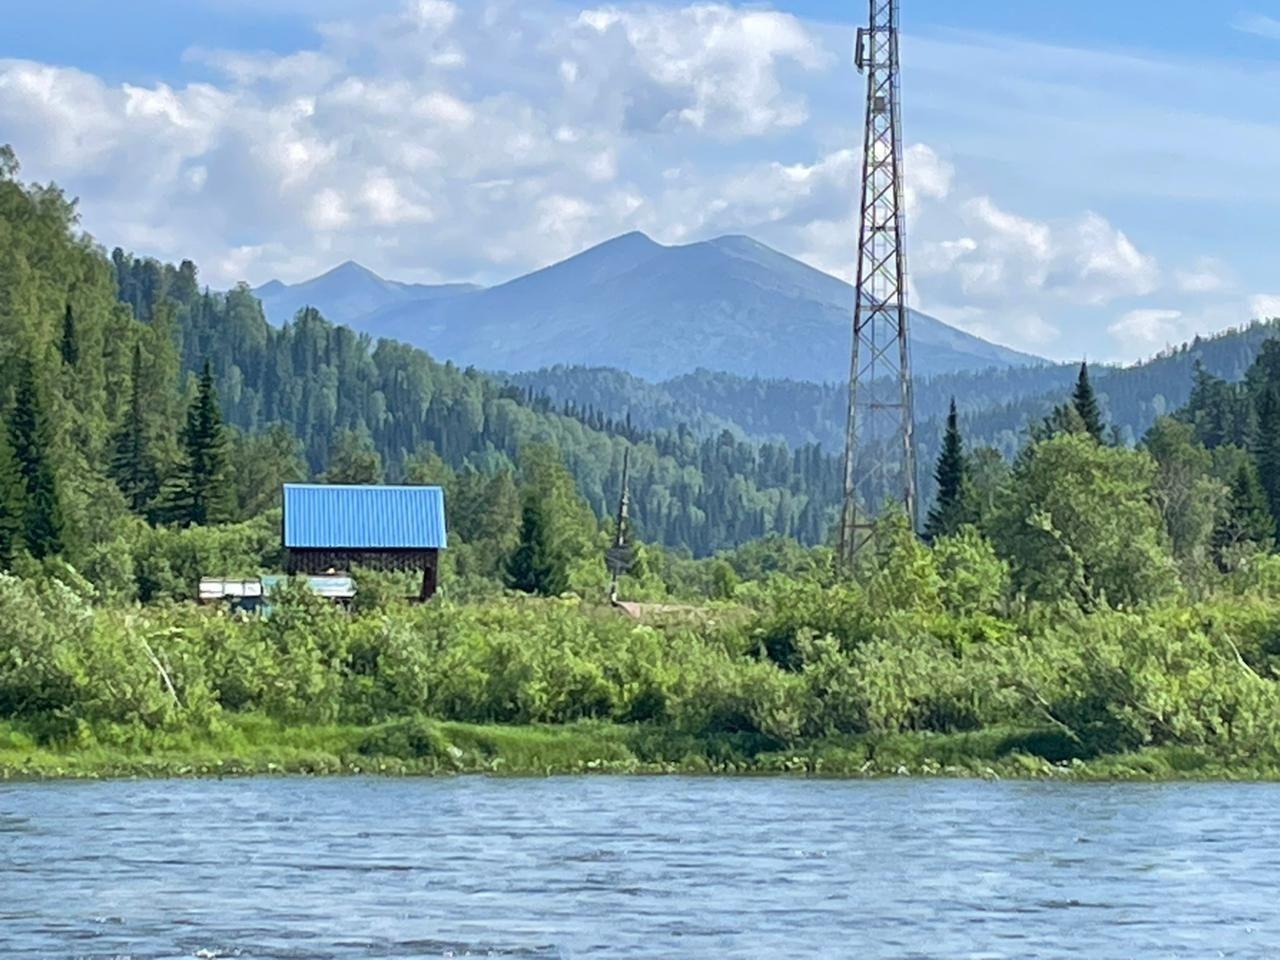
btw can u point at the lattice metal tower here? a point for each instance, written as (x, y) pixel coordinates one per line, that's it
(879, 466)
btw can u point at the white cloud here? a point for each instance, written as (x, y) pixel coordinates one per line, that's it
(813, 205)
(1148, 328)
(1146, 331)
(1002, 258)
(1259, 25)
(1264, 306)
(388, 207)
(926, 176)
(708, 66)
(328, 210)
(1206, 276)
(520, 132)
(437, 15)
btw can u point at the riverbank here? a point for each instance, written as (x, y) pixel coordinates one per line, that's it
(254, 746)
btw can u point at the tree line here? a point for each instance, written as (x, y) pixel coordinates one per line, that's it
(137, 405)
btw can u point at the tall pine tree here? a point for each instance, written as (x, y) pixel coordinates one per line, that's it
(1266, 448)
(133, 465)
(70, 347)
(30, 438)
(539, 564)
(557, 528)
(1086, 404)
(12, 504)
(947, 514)
(201, 491)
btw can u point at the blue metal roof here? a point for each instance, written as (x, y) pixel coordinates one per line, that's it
(324, 516)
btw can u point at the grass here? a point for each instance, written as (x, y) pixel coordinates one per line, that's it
(252, 745)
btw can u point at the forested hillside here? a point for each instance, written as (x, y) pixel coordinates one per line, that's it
(105, 356)
(996, 406)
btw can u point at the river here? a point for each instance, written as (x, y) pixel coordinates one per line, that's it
(637, 867)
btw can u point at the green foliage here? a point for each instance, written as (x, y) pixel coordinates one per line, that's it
(12, 504)
(1063, 609)
(948, 513)
(1267, 445)
(261, 464)
(1245, 526)
(1063, 419)
(1085, 403)
(1078, 521)
(70, 345)
(974, 579)
(133, 461)
(353, 459)
(557, 529)
(1187, 495)
(201, 489)
(31, 440)
(539, 564)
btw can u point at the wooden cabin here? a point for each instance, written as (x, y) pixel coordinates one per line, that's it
(334, 528)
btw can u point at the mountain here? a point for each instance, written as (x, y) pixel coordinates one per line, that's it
(347, 293)
(656, 311)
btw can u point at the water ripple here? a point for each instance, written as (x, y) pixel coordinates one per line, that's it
(636, 867)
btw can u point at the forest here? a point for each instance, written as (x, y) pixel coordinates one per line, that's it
(995, 406)
(1080, 606)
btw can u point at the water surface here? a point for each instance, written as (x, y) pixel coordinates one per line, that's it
(637, 867)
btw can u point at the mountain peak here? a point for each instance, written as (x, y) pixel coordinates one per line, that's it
(738, 241)
(655, 310)
(349, 269)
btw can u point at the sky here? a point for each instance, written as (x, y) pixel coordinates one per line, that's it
(1085, 178)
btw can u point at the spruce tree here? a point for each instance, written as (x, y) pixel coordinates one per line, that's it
(1245, 519)
(12, 504)
(202, 492)
(1062, 419)
(1266, 448)
(537, 565)
(1086, 404)
(30, 439)
(947, 516)
(70, 343)
(132, 463)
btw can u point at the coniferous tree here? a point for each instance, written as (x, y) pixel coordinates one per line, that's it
(557, 527)
(30, 439)
(12, 504)
(538, 564)
(1063, 418)
(202, 490)
(70, 346)
(133, 465)
(947, 514)
(1086, 404)
(1245, 520)
(1267, 448)
(353, 459)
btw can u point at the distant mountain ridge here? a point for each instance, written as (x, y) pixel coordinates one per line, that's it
(995, 407)
(348, 292)
(730, 304)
